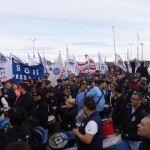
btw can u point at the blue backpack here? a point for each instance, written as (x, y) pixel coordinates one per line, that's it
(37, 137)
(37, 133)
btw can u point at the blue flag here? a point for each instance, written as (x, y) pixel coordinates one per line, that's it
(24, 72)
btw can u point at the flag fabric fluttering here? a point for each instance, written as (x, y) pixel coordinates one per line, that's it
(128, 63)
(5, 68)
(119, 62)
(148, 69)
(16, 58)
(88, 66)
(71, 64)
(56, 70)
(31, 61)
(137, 61)
(43, 61)
(102, 64)
(2, 58)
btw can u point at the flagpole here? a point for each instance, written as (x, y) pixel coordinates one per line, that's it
(114, 42)
(33, 40)
(114, 39)
(142, 50)
(130, 44)
(66, 47)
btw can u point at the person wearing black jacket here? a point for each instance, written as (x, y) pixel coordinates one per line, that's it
(69, 113)
(9, 94)
(119, 111)
(41, 114)
(133, 117)
(26, 100)
(16, 132)
(144, 132)
(142, 70)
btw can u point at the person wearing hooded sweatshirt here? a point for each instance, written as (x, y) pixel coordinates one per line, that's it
(16, 132)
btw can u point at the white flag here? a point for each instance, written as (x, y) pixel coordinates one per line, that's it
(57, 70)
(71, 64)
(44, 62)
(16, 58)
(6, 70)
(119, 62)
(31, 61)
(102, 64)
(128, 63)
(2, 58)
(148, 69)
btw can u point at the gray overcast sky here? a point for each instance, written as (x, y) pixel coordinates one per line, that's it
(84, 25)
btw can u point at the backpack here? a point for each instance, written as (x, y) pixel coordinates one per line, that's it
(37, 138)
(37, 133)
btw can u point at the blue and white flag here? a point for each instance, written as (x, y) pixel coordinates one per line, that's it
(56, 71)
(24, 72)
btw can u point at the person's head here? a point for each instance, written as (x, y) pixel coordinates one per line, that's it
(47, 84)
(43, 84)
(59, 82)
(92, 83)
(66, 81)
(33, 89)
(8, 85)
(23, 87)
(135, 79)
(143, 80)
(89, 106)
(15, 86)
(128, 88)
(17, 145)
(39, 94)
(83, 85)
(136, 99)
(118, 91)
(70, 102)
(113, 85)
(144, 127)
(142, 63)
(71, 82)
(102, 84)
(66, 89)
(49, 92)
(16, 116)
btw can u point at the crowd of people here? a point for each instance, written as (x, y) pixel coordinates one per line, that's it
(119, 98)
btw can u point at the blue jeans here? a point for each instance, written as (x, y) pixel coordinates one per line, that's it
(70, 135)
(134, 145)
(45, 136)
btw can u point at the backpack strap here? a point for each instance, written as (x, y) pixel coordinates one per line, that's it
(100, 97)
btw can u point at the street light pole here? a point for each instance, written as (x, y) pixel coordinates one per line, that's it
(114, 40)
(33, 40)
(130, 44)
(142, 50)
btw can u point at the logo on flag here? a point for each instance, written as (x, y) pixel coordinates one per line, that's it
(56, 71)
